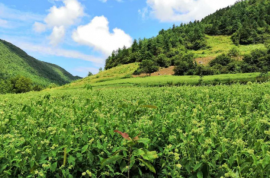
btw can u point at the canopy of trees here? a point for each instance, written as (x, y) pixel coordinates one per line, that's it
(18, 84)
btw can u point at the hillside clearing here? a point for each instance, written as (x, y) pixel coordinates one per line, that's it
(222, 44)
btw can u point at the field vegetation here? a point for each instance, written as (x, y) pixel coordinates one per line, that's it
(209, 120)
(218, 131)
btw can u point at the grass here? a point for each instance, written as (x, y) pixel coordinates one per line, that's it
(222, 44)
(168, 80)
(119, 72)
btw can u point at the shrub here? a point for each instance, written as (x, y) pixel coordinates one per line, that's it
(90, 74)
(37, 88)
(21, 84)
(254, 57)
(163, 61)
(234, 67)
(148, 66)
(234, 52)
(138, 71)
(222, 59)
(185, 64)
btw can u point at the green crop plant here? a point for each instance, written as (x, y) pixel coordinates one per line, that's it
(196, 132)
(133, 150)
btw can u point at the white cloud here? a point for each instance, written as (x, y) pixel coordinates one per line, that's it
(96, 34)
(39, 27)
(59, 19)
(57, 35)
(185, 10)
(66, 15)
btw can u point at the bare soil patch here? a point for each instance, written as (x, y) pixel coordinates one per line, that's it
(162, 71)
(204, 61)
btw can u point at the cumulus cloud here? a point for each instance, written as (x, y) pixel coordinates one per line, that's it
(66, 15)
(59, 19)
(96, 34)
(184, 10)
(57, 35)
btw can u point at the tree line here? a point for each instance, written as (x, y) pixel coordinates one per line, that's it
(248, 22)
(20, 84)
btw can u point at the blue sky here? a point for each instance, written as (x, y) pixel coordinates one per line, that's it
(78, 35)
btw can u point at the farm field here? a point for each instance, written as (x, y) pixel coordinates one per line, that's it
(196, 132)
(167, 80)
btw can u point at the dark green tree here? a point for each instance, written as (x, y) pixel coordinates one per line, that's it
(21, 84)
(90, 74)
(186, 65)
(148, 66)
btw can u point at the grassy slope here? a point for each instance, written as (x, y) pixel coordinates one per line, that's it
(222, 44)
(171, 80)
(218, 45)
(14, 61)
(116, 73)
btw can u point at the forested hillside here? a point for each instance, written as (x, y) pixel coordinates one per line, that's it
(14, 62)
(247, 22)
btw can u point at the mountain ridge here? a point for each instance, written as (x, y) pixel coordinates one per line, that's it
(14, 61)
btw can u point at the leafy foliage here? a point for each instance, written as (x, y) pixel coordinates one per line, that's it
(21, 84)
(18, 84)
(186, 65)
(147, 66)
(192, 132)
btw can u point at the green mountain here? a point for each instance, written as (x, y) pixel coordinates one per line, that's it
(14, 61)
(246, 23)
